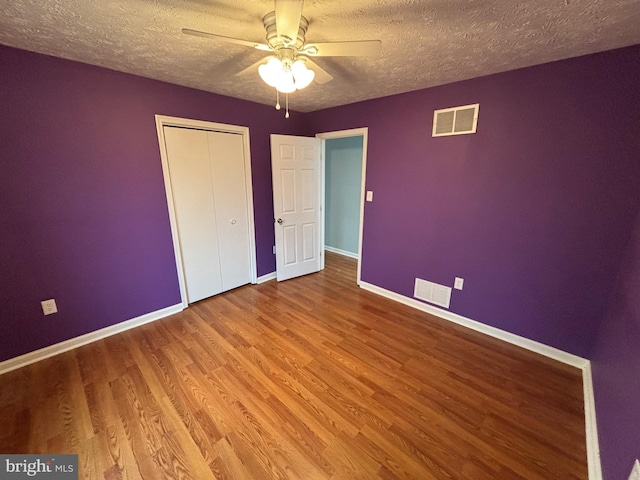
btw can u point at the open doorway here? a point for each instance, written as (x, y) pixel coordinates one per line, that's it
(344, 156)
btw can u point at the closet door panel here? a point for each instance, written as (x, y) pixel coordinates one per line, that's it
(194, 204)
(226, 152)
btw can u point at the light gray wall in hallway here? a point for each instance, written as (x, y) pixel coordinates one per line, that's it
(343, 175)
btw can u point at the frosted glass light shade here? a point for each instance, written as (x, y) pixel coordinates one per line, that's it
(270, 71)
(286, 83)
(302, 75)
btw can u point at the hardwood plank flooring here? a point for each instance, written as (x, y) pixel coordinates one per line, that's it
(312, 378)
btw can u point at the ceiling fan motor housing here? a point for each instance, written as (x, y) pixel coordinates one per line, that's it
(277, 42)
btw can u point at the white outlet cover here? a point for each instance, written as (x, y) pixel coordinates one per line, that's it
(635, 473)
(49, 306)
(458, 283)
(369, 196)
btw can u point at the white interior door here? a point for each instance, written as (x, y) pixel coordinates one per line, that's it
(295, 163)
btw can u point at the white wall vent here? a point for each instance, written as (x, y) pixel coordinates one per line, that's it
(455, 121)
(432, 293)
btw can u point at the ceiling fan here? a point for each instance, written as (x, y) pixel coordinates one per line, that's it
(289, 67)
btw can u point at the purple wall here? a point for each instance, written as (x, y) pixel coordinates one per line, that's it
(533, 211)
(84, 216)
(615, 363)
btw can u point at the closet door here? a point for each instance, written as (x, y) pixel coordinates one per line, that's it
(226, 154)
(190, 172)
(207, 177)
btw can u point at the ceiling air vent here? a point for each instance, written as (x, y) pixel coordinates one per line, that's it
(455, 121)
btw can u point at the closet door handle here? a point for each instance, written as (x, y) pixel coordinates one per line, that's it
(233, 222)
(279, 221)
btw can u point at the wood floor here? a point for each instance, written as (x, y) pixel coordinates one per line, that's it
(312, 378)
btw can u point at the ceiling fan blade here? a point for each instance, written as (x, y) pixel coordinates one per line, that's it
(253, 68)
(288, 13)
(322, 76)
(237, 41)
(364, 48)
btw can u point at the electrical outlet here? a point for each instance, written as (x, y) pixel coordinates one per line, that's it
(369, 196)
(458, 283)
(635, 473)
(49, 307)
(274, 249)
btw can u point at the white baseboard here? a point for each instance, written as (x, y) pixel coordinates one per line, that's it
(50, 351)
(591, 427)
(341, 252)
(266, 278)
(591, 431)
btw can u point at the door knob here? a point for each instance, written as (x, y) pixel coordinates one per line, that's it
(233, 222)
(279, 221)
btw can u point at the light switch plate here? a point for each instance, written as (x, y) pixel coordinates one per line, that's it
(49, 306)
(458, 283)
(635, 473)
(369, 195)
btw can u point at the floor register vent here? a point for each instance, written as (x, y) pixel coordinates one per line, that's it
(432, 293)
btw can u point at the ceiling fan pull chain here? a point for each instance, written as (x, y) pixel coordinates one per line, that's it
(277, 99)
(286, 96)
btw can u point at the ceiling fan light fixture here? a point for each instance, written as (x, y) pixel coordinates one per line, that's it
(284, 76)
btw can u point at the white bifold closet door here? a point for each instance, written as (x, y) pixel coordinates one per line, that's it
(209, 194)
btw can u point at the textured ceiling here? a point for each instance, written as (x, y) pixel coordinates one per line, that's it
(424, 42)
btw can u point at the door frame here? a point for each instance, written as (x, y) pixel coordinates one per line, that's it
(166, 121)
(354, 132)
